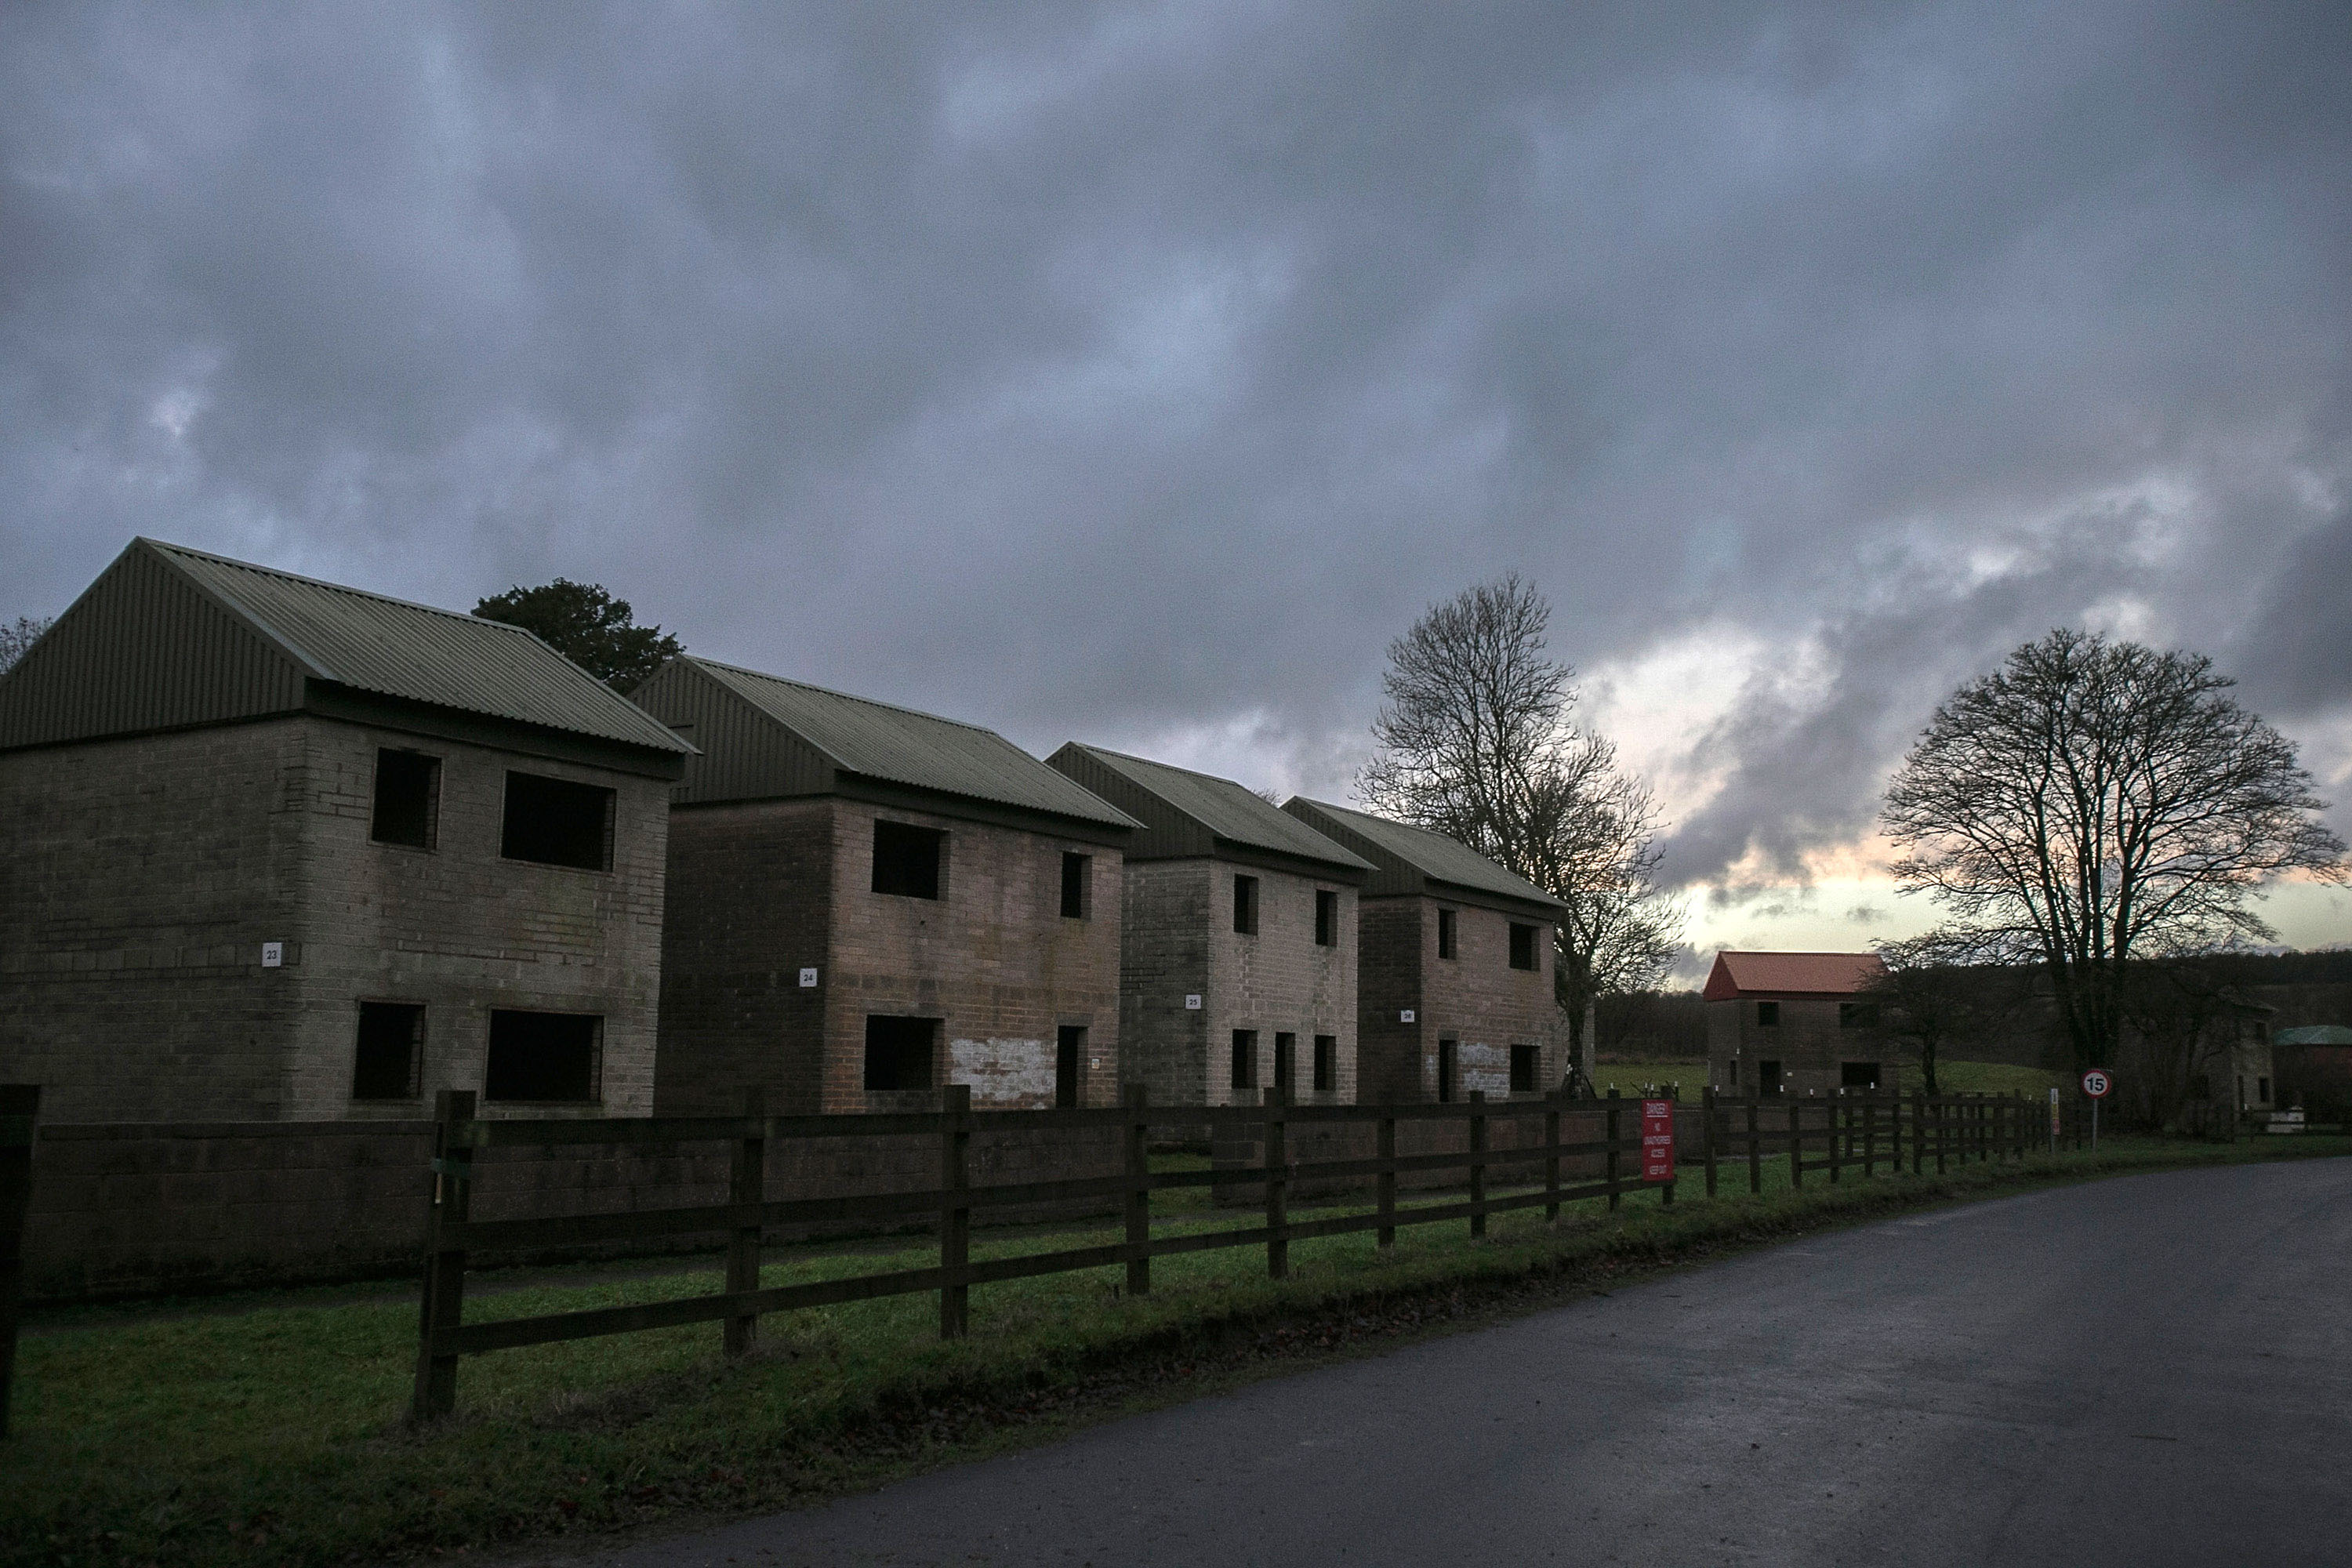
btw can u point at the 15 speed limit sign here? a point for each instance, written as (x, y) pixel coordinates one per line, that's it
(2095, 1084)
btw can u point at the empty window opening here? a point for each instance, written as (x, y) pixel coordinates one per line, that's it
(1327, 918)
(1525, 1068)
(1445, 1054)
(2262, 1031)
(1858, 1075)
(1077, 882)
(407, 799)
(1445, 934)
(1326, 1061)
(1767, 1076)
(1069, 1060)
(1857, 1015)
(2262, 1091)
(1767, 1014)
(1245, 905)
(543, 1055)
(899, 1051)
(390, 1051)
(1285, 1051)
(2242, 1091)
(1244, 1058)
(907, 859)
(558, 823)
(1523, 947)
(1735, 1072)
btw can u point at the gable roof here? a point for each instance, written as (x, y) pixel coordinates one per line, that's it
(168, 637)
(1415, 860)
(1186, 814)
(763, 737)
(1737, 974)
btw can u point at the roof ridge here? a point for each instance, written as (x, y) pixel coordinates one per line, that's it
(848, 697)
(1173, 768)
(170, 549)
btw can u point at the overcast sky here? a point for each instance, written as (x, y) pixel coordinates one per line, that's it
(1135, 373)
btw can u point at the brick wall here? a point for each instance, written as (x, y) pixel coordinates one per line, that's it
(140, 877)
(1179, 940)
(146, 1207)
(1475, 999)
(761, 890)
(1808, 1043)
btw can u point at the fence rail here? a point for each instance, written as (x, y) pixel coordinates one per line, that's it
(1863, 1131)
(443, 1337)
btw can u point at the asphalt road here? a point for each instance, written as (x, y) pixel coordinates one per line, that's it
(2148, 1371)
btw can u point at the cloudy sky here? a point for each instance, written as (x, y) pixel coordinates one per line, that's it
(1134, 373)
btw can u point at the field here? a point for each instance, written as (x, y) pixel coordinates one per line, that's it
(1951, 1077)
(268, 1427)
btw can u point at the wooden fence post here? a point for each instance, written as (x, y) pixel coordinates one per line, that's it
(1707, 1136)
(1139, 1194)
(955, 1214)
(443, 1301)
(1796, 1143)
(20, 1115)
(1551, 1160)
(1386, 1149)
(1918, 1131)
(1755, 1146)
(1869, 1137)
(747, 1183)
(1613, 1111)
(1943, 1108)
(1837, 1137)
(1477, 1163)
(1278, 1185)
(1895, 1127)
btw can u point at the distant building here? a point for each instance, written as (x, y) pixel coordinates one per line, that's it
(2314, 1070)
(273, 848)
(1454, 966)
(1795, 1023)
(1238, 938)
(867, 903)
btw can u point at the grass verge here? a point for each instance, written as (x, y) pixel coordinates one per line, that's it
(273, 1434)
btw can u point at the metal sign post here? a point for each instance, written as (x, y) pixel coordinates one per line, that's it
(2095, 1084)
(2054, 1114)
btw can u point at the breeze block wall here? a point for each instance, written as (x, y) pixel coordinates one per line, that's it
(143, 1208)
(1484, 1004)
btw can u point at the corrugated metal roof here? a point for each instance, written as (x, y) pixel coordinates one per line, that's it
(2314, 1035)
(901, 746)
(1737, 974)
(1432, 856)
(394, 649)
(1225, 809)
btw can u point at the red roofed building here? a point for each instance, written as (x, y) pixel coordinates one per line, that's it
(1794, 1023)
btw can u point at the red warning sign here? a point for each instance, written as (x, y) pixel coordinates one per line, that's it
(1657, 1139)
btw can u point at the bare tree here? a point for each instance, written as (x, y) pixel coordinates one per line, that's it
(22, 635)
(1930, 1001)
(1476, 742)
(2093, 802)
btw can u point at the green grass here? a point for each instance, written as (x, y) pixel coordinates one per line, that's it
(268, 1429)
(1951, 1077)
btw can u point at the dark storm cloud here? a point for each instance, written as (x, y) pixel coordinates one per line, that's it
(1137, 373)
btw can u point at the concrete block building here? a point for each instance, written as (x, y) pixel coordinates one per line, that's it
(1454, 966)
(1237, 966)
(867, 903)
(275, 849)
(1795, 1023)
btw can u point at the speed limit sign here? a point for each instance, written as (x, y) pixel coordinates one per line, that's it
(2095, 1084)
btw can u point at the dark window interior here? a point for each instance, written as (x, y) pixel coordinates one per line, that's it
(1244, 1058)
(1077, 879)
(1767, 1076)
(542, 1056)
(1857, 1015)
(1327, 918)
(1326, 1061)
(898, 1052)
(1767, 1014)
(1858, 1075)
(408, 798)
(1286, 1049)
(1245, 905)
(558, 823)
(2262, 1089)
(1523, 947)
(907, 860)
(391, 1050)
(1445, 1070)
(1445, 937)
(1069, 1054)
(1524, 1060)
